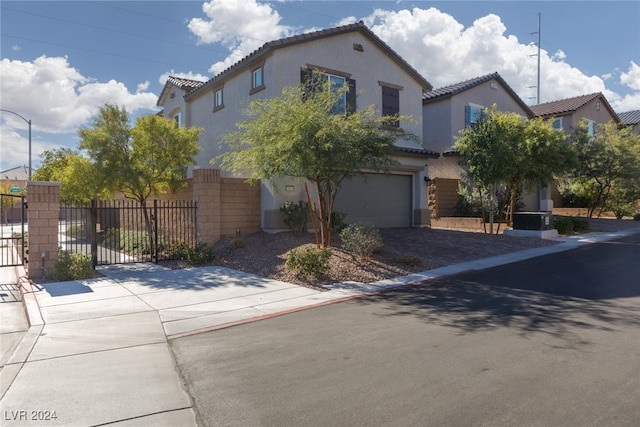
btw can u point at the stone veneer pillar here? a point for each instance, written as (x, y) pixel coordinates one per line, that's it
(206, 193)
(43, 208)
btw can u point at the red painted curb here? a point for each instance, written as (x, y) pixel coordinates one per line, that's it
(308, 307)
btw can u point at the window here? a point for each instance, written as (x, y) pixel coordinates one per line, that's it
(178, 119)
(391, 103)
(472, 115)
(257, 80)
(342, 89)
(557, 123)
(218, 100)
(591, 128)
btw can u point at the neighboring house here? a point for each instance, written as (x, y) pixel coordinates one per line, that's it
(13, 182)
(630, 118)
(349, 55)
(15, 177)
(446, 112)
(567, 114)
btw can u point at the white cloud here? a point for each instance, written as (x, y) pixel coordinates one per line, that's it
(632, 77)
(57, 99)
(240, 26)
(143, 86)
(446, 52)
(16, 48)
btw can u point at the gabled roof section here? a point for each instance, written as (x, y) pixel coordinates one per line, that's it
(456, 88)
(570, 105)
(308, 37)
(629, 118)
(185, 84)
(422, 152)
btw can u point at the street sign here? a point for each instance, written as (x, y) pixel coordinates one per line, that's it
(14, 190)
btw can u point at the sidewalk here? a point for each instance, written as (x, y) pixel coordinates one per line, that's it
(97, 351)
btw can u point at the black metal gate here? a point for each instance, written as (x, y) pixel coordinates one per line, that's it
(14, 235)
(123, 231)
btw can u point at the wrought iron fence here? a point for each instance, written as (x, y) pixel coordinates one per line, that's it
(13, 234)
(123, 231)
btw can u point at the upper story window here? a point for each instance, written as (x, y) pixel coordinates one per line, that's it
(591, 128)
(391, 103)
(341, 87)
(557, 123)
(218, 100)
(257, 80)
(472, 115)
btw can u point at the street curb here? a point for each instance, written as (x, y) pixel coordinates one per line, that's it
(308, 307)
(29, 300)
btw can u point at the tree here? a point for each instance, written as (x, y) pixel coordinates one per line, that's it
(489, 151)
(139, 162)
(78, 179)
(298, 135)
(506, 148)
(608, 168)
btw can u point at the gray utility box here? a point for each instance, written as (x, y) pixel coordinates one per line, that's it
(532, 221)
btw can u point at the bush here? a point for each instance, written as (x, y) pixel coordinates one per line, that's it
(580, 224)
(308, 261)
(361, 239)
(199, 254)
(74, 266)
(296, 215)
(409, 259)
(567, 224)
(78, 232)
(636, 217)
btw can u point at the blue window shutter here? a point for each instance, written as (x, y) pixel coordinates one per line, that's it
(351, 96)
(467, 116)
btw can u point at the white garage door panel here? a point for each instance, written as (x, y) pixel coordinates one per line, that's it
(383, 200)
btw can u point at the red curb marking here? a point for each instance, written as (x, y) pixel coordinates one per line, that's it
(307, 307)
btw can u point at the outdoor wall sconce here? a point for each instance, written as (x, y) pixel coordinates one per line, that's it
(427, 181)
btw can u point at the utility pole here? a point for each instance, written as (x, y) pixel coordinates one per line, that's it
(538, 55)
(29, 123)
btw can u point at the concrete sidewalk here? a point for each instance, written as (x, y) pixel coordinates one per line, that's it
(96, 351)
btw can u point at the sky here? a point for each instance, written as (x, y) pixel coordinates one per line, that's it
(62, 60)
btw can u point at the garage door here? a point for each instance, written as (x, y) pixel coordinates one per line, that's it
(380, 199)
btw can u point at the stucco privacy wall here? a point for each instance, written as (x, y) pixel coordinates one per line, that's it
(43, 206)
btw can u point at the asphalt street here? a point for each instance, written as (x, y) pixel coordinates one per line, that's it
(553, 340)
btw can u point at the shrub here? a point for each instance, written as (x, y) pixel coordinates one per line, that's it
(361, 239)
(563, 224)
(580, 224)
(199, 254)
(308, 261)
(636, 217)
(296, 215)
(409, 259)
(74, 266)
(134, 242)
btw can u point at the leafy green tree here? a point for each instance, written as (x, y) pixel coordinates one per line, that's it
(608, 168)
(75, 173)
(139, 162)
(507, 149)
(489, 150)
(297, 134)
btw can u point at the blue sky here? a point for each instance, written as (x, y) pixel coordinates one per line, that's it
(61, 61)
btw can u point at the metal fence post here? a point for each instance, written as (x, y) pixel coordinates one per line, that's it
(92, 225)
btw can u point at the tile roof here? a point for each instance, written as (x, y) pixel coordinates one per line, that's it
(185, 84)
(307, 37)
(562, 106)
(630, 117)
(456, 88)
(419, 152)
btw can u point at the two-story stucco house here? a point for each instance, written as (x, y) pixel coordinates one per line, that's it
(446, 112)
(567, 113)
(350, 54)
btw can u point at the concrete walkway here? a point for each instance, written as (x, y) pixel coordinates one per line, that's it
(96, 351)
